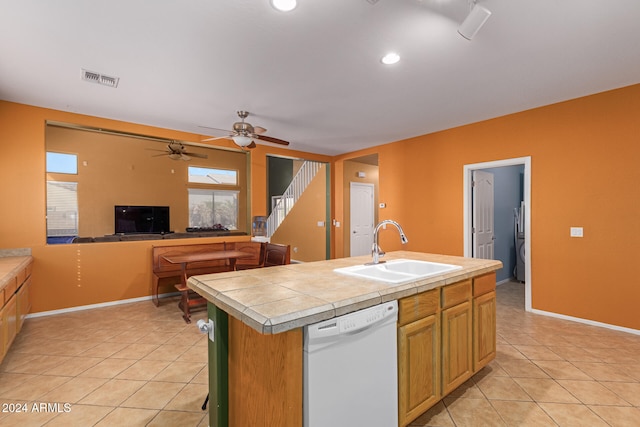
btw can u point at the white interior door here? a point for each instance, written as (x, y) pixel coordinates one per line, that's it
(483, 229)
(361, 218)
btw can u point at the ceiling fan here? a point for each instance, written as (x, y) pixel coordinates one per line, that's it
(176, 151)
(244, 134)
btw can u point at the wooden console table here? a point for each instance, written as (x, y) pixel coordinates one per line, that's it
(186, 303)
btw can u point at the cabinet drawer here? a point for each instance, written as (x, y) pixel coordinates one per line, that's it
(456, 293)
(29, 268)
(22, 274)
(418, 306)
(10, 288)
(483, 284)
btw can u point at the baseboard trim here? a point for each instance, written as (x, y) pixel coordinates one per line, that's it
(586, 321)
(99, 305)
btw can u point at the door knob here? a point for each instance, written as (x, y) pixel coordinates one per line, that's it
(206, 327)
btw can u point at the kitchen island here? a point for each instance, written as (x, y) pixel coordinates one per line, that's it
(257, 353)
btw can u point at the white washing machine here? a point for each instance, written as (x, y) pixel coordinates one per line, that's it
(520, 264)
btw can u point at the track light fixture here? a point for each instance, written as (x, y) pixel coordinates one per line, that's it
(474, 21)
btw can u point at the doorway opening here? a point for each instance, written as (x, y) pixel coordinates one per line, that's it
(526, 212)
(298, 206)
(360, 190)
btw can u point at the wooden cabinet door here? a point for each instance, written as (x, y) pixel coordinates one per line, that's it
(418, 367)
(24, 302)
(9, 320)
(484, 330)
(3, 333)
(457, 348)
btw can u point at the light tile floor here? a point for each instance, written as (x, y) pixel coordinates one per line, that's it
(126, 365)
(136, 365)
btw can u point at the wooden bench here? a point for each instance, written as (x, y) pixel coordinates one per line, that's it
(169, 272)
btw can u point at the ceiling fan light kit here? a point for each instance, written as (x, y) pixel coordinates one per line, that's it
(242, 140)
(474, 21)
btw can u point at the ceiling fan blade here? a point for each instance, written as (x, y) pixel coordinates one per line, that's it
(259, 130)
(217, 137)
(184, 157)
(272, 139)
(252, 145)
(218, 129)
(198, 155)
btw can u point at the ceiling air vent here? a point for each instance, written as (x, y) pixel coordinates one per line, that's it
(101, 79)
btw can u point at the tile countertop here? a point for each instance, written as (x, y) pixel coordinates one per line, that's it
(278, 299)
(10, 266)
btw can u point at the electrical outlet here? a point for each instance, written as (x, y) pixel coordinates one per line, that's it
(576, 232)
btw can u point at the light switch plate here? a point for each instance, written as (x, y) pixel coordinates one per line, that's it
(576, 232)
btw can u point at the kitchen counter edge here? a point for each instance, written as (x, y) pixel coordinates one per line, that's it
(265, 299)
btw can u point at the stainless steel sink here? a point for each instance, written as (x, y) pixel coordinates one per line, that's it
(398, 271)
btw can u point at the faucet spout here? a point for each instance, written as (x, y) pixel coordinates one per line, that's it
(376, 252)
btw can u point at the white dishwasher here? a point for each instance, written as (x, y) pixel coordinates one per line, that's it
(350, 369)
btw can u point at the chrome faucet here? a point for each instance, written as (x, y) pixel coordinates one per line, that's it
(376, 252)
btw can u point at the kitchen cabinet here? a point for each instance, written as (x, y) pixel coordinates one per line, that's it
(484, 320)
(457, 350)
(418, 355)
(15, 302)
(445, 335)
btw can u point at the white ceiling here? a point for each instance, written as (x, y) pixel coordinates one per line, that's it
(313, 76)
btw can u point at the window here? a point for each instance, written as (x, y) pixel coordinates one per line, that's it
(62, 209)
(212, 208)
(213, 176)
(62, 163)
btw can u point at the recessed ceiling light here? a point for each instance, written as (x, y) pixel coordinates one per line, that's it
(390, 58)
(284, 5)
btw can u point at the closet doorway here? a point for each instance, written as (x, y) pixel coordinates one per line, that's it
(525, 162)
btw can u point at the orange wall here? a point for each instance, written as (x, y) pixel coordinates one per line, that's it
(584, 157)
(73, 275)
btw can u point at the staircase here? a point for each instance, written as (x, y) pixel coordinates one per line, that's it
(291, 195)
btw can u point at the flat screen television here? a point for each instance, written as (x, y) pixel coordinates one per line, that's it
(141, 219)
